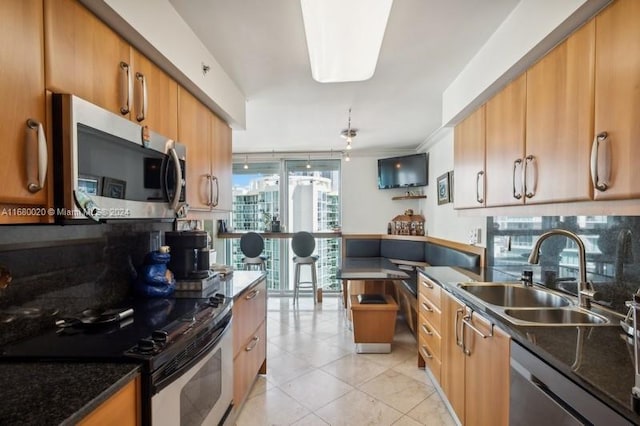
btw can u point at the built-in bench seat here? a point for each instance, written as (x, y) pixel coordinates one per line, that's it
(414, 252)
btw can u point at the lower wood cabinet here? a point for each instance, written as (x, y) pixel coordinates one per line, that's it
(429, 326)
(249, 339)
(475, 365)
(122, 409)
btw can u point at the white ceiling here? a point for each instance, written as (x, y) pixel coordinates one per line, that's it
(261, 44)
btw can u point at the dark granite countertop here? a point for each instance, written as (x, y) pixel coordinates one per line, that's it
(369, 268)
(603, 365)
(236, 283)
(57, 392)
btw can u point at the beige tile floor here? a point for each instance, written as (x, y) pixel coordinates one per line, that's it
(314, 376)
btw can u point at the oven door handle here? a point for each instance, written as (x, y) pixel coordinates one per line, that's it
(166, 381)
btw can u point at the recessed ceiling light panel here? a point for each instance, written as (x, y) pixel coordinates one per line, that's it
(344, 37)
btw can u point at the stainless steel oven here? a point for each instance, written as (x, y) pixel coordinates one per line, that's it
(107, 167)
(200, 392)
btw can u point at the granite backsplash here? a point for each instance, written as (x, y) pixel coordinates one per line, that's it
(62, 270)
(612, 244)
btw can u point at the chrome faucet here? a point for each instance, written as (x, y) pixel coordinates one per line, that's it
(585, 289)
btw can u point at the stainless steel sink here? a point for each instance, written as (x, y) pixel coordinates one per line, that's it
(515, 296)
(572, 316)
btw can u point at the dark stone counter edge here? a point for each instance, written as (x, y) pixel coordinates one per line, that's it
(513, 331)
(239, 289)
(102, 397)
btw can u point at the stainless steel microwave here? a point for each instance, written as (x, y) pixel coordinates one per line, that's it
(107, 167)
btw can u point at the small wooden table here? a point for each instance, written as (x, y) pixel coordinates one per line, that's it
(373, 325)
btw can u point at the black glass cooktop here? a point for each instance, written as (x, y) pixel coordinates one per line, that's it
(106, 341)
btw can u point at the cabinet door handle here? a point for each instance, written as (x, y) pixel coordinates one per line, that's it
(426, 307)
(426, 330)
(36, 151)
(252, 344)
(600, 176)
(210, 179)
(125, 88)
(459, 341)
(517, 194)
(142, 108)
(252, 295)
(479, 176)
(425, 352)
(530, 189)
(467, 323)
(427, 284)
(217, 198)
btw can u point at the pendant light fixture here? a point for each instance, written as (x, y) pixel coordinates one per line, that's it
(347, 157)
(349, 133)
(309, 162)
(246, 162)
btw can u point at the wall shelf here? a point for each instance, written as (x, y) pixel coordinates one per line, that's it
(409, 197)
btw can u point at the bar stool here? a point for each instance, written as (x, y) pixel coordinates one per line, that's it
(252, 245)
(303, 245)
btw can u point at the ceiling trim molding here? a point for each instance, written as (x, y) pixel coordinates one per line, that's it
(434, 138)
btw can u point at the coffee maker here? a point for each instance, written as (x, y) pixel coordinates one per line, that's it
(190, 261)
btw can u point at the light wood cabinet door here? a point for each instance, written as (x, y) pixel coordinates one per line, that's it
(221, 163)
(83, 56)
(505, 128)
(122, 409)
(617, 96)
(559, 133)
(453, 359)
(23, 98)
(194, 131)
(160, 111)
(486, 373)
(468, 161)
(249, 311)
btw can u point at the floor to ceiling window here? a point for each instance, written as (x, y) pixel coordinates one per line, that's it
(307, 200)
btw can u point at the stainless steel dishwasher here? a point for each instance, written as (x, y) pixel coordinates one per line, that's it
(540, 394)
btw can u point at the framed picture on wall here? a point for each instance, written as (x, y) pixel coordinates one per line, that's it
(451, 186)
(443, 188)
(113, 188)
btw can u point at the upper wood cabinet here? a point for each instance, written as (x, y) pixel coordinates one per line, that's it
(617, 100)
(505, 117)
(155, 97)
(560, 121)
(84, 57)
(468, 160)
(194, 130)
(221, 163)
(539, 131)
(208, 141)
(23, 99)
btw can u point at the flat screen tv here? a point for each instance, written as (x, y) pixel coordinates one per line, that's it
(403, 172)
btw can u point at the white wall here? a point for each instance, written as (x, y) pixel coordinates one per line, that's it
(442, 221)
(365, 208)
